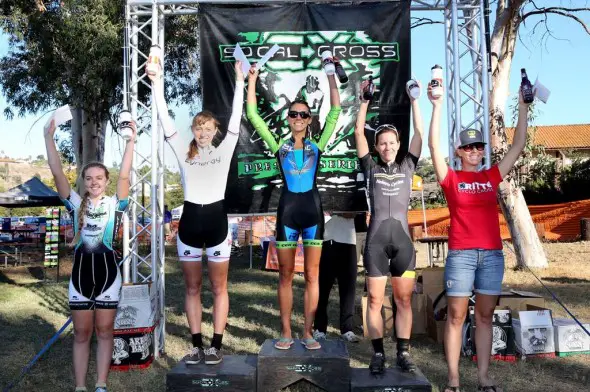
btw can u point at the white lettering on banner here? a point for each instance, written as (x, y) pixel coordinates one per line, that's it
(141, 345)
(475, 187)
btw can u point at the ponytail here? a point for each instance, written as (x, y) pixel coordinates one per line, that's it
(80, 223)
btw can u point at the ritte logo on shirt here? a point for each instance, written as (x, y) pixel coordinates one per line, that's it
(475, 187)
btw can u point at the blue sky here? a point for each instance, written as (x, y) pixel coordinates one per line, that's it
(562, 65)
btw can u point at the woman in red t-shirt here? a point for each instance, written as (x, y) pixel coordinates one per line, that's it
(475, 260)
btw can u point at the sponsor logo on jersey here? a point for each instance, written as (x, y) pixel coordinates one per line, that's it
(475, 187)
(217, 253)
(187, 252)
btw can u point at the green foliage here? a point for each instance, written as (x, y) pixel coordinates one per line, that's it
(425, 169)
(174, 197)
(69, 52)
(575, 180)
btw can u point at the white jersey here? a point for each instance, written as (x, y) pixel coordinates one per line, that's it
(204, 177)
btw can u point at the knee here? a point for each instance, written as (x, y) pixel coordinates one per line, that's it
(456, 319)
(219, 288)
(82, 335)
(404, 302)
(484, 318)
(193, 289)
(104, 331)
(286, 275)
(375, 302)
(311, 277)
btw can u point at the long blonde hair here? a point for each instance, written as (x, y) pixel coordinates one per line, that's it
(84, 203)
(200, 119)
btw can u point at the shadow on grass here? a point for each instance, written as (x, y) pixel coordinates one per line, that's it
(565, 280)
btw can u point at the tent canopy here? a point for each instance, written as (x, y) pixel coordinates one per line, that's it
(33, 193)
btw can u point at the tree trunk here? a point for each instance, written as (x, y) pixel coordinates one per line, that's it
(88, 137)
(527, 246)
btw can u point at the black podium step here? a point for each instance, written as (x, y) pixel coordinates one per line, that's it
(237, 373)
(327, 368)
(393, 380)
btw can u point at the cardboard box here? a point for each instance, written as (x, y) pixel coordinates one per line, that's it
(503, 344)
(533, 331)
(569, 337)
(436, 329)
(132, 348)
(433, 280)
(387, 312)
(137, 307)
(518, 300)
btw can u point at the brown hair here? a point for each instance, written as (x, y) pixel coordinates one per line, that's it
(384, 129)
(200, 119)
(84, 203)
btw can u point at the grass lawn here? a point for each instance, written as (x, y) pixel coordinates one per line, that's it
(31, 312)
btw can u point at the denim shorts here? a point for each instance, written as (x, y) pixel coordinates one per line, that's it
(474, 268)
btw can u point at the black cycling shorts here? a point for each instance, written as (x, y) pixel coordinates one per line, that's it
(203, 225)
(389, 249)
(95, 282)
(300, 214)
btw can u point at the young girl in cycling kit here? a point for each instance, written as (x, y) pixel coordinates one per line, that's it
(300, 208)
(203, 224)
(475, 259)
(389, 249)
(95, 283)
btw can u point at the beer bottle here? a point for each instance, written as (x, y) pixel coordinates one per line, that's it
(340, 72)
(526, 87)
(369, 90)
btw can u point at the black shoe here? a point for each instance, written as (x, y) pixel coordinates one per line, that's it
(377, 365)
(213, 356)
(194, 357)
(405, 362)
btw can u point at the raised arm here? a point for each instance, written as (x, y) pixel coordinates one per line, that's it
(333, 115)
(238, 102)
(123, 181)
(519, 141)
(252, 112)
(416, 142)
(161, 105)
(438, 160)
(362, 146)
(61, 181)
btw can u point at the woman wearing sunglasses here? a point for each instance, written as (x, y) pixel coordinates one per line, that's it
(388, 247)
(300, 208)
(475, 259)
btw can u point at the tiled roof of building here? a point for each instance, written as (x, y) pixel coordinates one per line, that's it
(558, 136)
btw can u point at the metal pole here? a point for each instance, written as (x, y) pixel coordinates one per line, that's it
(456, 72)
(136, 159)
(424, 214)
(154, 179)
(450, 90)
(251, 237)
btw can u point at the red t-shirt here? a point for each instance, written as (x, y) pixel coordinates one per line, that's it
(473, 205)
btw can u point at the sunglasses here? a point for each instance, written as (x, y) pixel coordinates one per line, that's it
(303, 115)
(473, 146)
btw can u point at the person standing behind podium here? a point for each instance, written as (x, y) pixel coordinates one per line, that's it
(338, 262)
(475, 258)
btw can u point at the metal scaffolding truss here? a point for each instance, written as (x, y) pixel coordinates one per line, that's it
(143, 243)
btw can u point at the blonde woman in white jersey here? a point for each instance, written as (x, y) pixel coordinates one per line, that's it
(203, 224)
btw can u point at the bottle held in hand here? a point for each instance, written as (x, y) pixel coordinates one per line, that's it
(340, 72)
(526, 87)
(125, 129)
(436, 81)
(328, 62)
(413, 88)
(369, 90)
(154, 63)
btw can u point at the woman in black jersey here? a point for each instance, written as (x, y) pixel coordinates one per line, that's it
(203, 224)
(389, 249)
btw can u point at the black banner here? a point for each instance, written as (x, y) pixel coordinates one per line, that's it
(370, 38)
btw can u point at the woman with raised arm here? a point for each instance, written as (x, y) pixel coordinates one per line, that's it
(389, 248)
(475, 259)
(95, 283)
(300, 208)
(204, 168)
